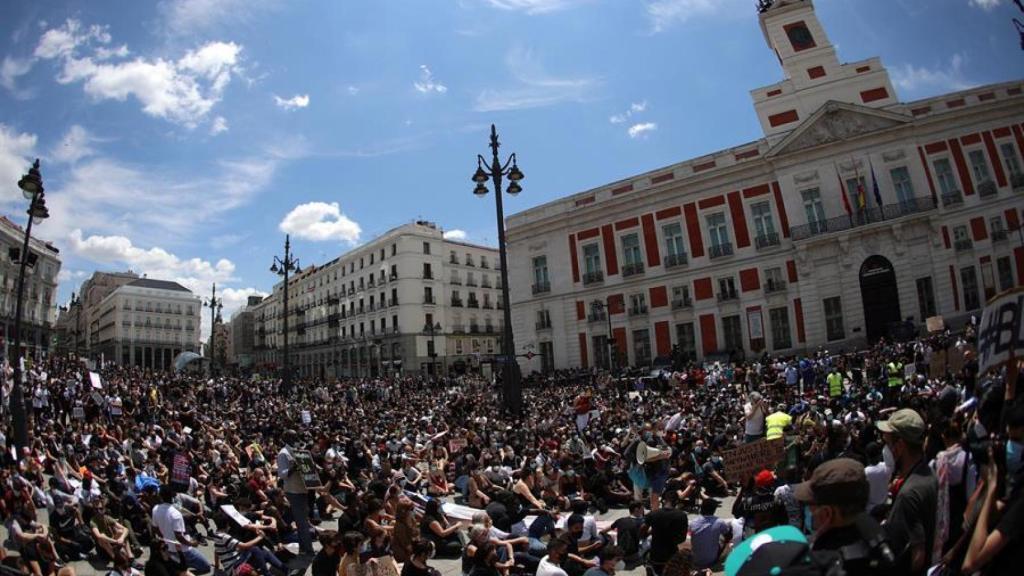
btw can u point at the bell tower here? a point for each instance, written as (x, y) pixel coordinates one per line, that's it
(812, 70)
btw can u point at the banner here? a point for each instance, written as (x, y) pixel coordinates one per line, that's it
(755, 323)
(749, 459)
(304, 460)
(1000, 335)
(94, 378)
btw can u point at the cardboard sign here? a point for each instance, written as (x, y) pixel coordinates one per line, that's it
(235, 515)
(78, 412)
(304, 460)
(935, 324)
(306, 417)
(179, 471)
(94, 378)
(97, 399)
(1001, 333)
(456, 445)
(749, 459)
(383, 566)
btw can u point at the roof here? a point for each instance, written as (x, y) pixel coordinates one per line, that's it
(159, 284)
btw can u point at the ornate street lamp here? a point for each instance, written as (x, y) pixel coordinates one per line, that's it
(31, 185)
(601, 305)
(215, 305)
(433, 330)
(282, 267)
(511, 385)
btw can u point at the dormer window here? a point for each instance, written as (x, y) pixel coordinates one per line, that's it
(799, 36)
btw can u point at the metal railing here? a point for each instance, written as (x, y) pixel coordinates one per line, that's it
(593, 277)
(766, 240)
(637, 310)
(863, 218)
(987, 188)
(681, 304)
(543, 324)
(952, 198)
(771, 286)
(595, 317)
(457, 302)
(720, 250)
(963, 244)
(673, 260)
(728, 296)
(999, 235)
(632, 269)
(473, 304)
(541, 288)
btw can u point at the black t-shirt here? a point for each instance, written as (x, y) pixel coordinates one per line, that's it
(325, 564)
(668, 531)
(835, 539)
(410, 569)
(628, 530)
(1011, 525)
(911, 521)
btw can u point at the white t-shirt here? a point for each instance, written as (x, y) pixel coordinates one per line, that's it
(754, 426)
(878, 476)
(170, 523)
(549, 568)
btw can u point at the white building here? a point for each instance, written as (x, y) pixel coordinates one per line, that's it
(371, 310)
(146, 323)
(783, 244)
(39, 307)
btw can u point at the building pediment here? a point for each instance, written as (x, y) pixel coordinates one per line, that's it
(836, 122)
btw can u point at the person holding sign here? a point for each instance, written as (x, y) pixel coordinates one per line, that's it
(290, 474)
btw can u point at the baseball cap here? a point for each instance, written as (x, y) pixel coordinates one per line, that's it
(834, 482)
(771, 552)
(764, 479)
(906, 424)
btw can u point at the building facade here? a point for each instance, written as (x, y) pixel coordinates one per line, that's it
(243, 337)
(39, 307)
(409, 301)
(76, 321)
(146, 323)
(853, 218)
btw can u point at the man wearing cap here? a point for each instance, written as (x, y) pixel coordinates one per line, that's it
(910, 526)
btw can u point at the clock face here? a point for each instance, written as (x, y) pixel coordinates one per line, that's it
(800, 36)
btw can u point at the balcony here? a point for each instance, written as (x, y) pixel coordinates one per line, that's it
(428, 275)
(771, 286)
(455, 282)
(361, 310)
(987, 188)
(862, 218)
(999, 235)
(952, 198)
(596, 317)
(458, 328)
(474, 328)
(453, 260)
(963, 244)
(393, 277)
(488, 306)
(470, 263)
(371, 283)
(488, 329)
(471, 283)
(682, 304)
(543, 324)
(728, 296)
(473, 303)
(1017, 181)
(766, 240)
(429, 300)
(393, 302)
(483, 264)
(674, 260)
(541, 288)
(593, 277)
(485, 284)
(720, 250)
(640, 310)
(457, 302)
(632, 269)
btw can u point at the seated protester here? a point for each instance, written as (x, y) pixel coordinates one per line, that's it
(132, 511)
(112, 538)
(709, 536)
(376, 530)
(350, 519)
(160, 563)
(667, 527)
(551, 565)
(485, 561)
(437, 483)
(590, 540)
(351, 559)
(477, 489)
(230, 554)
(575, 563)
(627, 531)
(327, 560)
(524, 551)
(417, 563)
(32, 541)
(435, 528)
(609, 559)
(405, 531)
(759, 508)
(72, 539)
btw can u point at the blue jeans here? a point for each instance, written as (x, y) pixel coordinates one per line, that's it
(195, 562)
(258, 558)
(300, 511)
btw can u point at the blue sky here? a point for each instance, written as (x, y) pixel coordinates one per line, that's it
(180, 138)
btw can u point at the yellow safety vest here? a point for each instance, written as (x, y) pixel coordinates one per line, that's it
(777, 423)
(835, 384)
(895, 374)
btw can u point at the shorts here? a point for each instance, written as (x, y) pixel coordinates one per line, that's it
(658, 481)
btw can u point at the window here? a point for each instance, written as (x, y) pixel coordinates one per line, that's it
(1005, 273)
(547, 357)
(453, 257)
(458, 346)
(779, 318)
(763, 223)
(591, 258)
(853, 190)
(686, 339)
(540, 274)
(426, 247)
(717, 230)
(681, 296)
(732, 332)
(925, 298)
(834, 319)
(944, 174)
(600, 346)
(637, 303)
(428, 295)
(773, 279)
(969, 280)
(961, 238)
(673, 234)
(813, 209)
(1010, 159)
(543, 319)
(979, 167)
(727, 288)
(631, 251)
(901, 184)
(469, 259)
(427, 272)
(371, 258)
(641, 347)
(483, 261)
(998, 230)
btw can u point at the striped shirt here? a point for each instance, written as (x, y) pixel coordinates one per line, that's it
(226, 549)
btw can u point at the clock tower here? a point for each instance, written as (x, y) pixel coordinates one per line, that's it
(813, 73)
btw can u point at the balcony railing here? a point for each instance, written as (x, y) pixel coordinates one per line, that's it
(541, 288)
(485, 284)
(471, 283)
(720, 250)
(593, 277)
(428, 275)
(632, 269)
(999, 235)
(543, 324)
(595, 317)
(483, 264)
(457, 302)
(952, 198)
(429, 300)
(862, 218)
(455, 282)
(474, 329)
(488, 306)
(682, 303)
(728, 296)
(473, 304)
(673, 260)
(766, 240)
(963, 244)
(1017, 181)
(987, 188)
(637, 310)
(771, 286)
(458, 328)
(393, 302)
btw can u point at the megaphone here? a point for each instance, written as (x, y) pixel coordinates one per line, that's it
(645, 453)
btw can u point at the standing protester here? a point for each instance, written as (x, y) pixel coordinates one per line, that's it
(667, 527)
(295, 490)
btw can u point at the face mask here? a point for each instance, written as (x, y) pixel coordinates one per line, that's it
(1014, 452)
(888, 458)
(620, 566)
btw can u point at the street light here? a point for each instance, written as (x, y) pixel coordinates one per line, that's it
(511, 386)
(215, 305)
(281, 267)
(601, 305)
(433, 329)
(76, 305)
(31, 185)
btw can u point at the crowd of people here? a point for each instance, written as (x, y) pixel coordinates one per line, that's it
(885, 466)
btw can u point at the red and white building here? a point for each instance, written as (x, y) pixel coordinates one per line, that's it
(854, 212)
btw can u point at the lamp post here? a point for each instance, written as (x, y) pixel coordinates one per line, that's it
(601, 305)
(31, 185)
(214, 304)
(511, 386)
(281, 267)
(433, 329)
(76, 305)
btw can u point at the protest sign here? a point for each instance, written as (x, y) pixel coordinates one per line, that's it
(935, 324)
(235, 515)
(304, 460)
(306, 417)
(1001, 333)
(179, 470)
(97, 399)
(78, 412)
(745, 461)
(456, 445)
(94, 378)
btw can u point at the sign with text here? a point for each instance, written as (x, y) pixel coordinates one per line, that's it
(94, 379)
(935, 324)
(180, 470)
(1001, 333)
(749, 459)
(235, 515)
(304, 460)
(456, 445)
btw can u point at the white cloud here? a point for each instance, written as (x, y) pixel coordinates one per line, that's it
(182, 91)
(220, 124)
(455, 235)
(66, 275)
(74, 146)
(16, 152)
(320, 222)
(535, 6)
(641, 130)
(664, 14)
(985, 4)
(293, 103)
(634, 108)
(192, 16)
(920, 81)
(427, 84)
(352, 90)
(536, 88)
(10, 70)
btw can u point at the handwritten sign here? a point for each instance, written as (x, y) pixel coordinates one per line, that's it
(306, 417)
(1001, 333)
(97, 399)
(747, 460)
(456, 445)
(179, 470)
(235, 515)
(935, 324)
(383, 566)
(78, 412)
(304, 460)
(94, 378)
